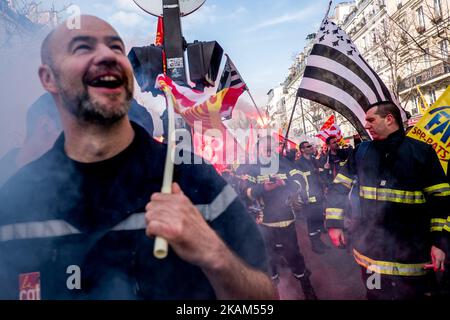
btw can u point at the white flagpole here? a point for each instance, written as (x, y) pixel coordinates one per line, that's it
(160, 248)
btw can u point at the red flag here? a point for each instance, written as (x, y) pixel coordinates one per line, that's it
(159, 40)
(330, 128)
(197, 106)
(280, 139)
(159, 33)
(217, 146)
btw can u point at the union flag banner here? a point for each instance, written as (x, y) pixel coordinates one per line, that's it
(212, 140)
(159, 40)
(434, 128)
(330, 128)
(195, 106)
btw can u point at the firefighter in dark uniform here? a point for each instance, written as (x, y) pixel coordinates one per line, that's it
(271, 183)
(333, 160)
(403, 223)
(313, 196)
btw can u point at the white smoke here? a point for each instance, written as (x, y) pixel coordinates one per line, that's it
(19, 85)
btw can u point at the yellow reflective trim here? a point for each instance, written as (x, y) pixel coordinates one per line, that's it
(340, 178)
(400, 200)
(439, 224)
(438, 187)
(247, 177)
(442, 194)
(392, 195)
(312, 199)
(333, 217)
(281, 176)
(334, 210)
(294, 171)
(334, 213)
(340, 175)
(390, 268)
(262, 179)
(305, 173)
(438, 220)
(281, 224)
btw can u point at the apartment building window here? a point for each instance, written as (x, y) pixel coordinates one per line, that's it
(437, 8)
(444, 48)
(414, 105)
(420, 20)
(374, 37)
(409, 68)
(432, 96)
(426, 59)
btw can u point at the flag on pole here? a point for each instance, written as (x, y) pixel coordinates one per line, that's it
(281, 140)
(187, 98)
(423, 105)
(219, 146)
(337, 76)
(434, 128)
(330, 128)
(159, 40)
(231, 79)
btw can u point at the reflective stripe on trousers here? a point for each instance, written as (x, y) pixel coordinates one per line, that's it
(390, 268)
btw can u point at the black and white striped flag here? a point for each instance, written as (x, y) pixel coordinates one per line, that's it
(337, 76)
(230, 77)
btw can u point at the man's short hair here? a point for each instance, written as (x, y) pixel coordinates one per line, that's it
(43, 106)
(302, 144)
(385, 108)
(329, 140)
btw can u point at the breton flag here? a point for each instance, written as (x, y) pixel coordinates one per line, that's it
(337, 76)
(230, 79)
(330, 128)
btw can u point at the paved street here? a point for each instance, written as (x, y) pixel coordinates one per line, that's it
(335, 274)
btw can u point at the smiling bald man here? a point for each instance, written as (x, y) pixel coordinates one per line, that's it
(79, 222)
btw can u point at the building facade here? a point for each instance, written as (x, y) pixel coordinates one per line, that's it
(19, 20)
(406, 42)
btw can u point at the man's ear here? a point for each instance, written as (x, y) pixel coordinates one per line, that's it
(389, 119)
(47, 78)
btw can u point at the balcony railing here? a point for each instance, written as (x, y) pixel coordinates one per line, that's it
(424, 76)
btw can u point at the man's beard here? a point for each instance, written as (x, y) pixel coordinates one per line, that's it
(87, 109)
